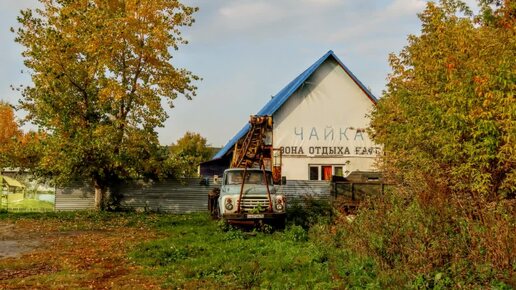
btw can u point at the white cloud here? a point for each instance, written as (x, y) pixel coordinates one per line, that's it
(244, 15)
(323, 2)
(382, 22)
(15, 5)
(404, 7)
(246, 9)
(253, 20)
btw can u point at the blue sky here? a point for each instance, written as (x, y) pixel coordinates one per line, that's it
(247, 50)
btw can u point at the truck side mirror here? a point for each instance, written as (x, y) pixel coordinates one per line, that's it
(283, 180)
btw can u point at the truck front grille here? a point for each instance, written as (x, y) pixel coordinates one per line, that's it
(249, 203)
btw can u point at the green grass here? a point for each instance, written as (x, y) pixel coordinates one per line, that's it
(197, 253)
(29, 204)
(192, 251)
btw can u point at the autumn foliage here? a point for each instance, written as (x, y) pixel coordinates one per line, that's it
(185, 156)
(17, 149)
(447, 124)
(8, 126)
(447, 119)
(100, 72)
(8, 133)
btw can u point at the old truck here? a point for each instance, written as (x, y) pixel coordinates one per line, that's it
(247, 194)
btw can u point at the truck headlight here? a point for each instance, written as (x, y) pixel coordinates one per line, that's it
(229, 204)
(280, 203)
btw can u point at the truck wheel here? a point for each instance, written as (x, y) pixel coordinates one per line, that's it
(280, 224)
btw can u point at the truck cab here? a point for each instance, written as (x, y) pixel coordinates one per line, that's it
(247, 196)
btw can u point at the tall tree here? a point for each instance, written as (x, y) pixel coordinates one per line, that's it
(187, 153)
(100, 71)
(447, 119)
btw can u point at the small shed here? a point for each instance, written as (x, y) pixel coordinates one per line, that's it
(10, 184)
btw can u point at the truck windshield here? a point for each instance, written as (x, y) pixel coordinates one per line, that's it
(252, 177)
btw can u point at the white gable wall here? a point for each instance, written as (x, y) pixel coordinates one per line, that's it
(323, 123)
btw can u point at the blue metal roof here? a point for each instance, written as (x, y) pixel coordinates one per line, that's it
(280, 98)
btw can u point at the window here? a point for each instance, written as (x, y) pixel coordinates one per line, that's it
(325, 171)
(314, 172)
(338, 171)
(252, 177)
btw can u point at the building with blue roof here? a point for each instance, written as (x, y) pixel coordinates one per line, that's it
(320, 120)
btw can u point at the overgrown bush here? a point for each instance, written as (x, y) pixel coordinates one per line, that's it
(296, 233)
(446, 123)
(432, 245)
(309, 211)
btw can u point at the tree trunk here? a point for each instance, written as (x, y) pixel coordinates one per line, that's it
(100, 193)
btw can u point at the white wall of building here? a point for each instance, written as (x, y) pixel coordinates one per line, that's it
(324, 123)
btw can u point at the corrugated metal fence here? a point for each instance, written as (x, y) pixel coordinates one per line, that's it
(176, 196)
(297, 190)
(76, 196)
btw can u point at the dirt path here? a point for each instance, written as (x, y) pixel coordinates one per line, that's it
(13, 242)
(42, 254)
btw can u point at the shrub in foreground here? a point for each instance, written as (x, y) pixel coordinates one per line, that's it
(406, 241)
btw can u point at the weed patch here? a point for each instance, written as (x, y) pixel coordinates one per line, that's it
(309, 211)
(206, 255)
(399, 240)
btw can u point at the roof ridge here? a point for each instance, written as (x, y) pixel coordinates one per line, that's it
(292, 86)
(284, 94)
